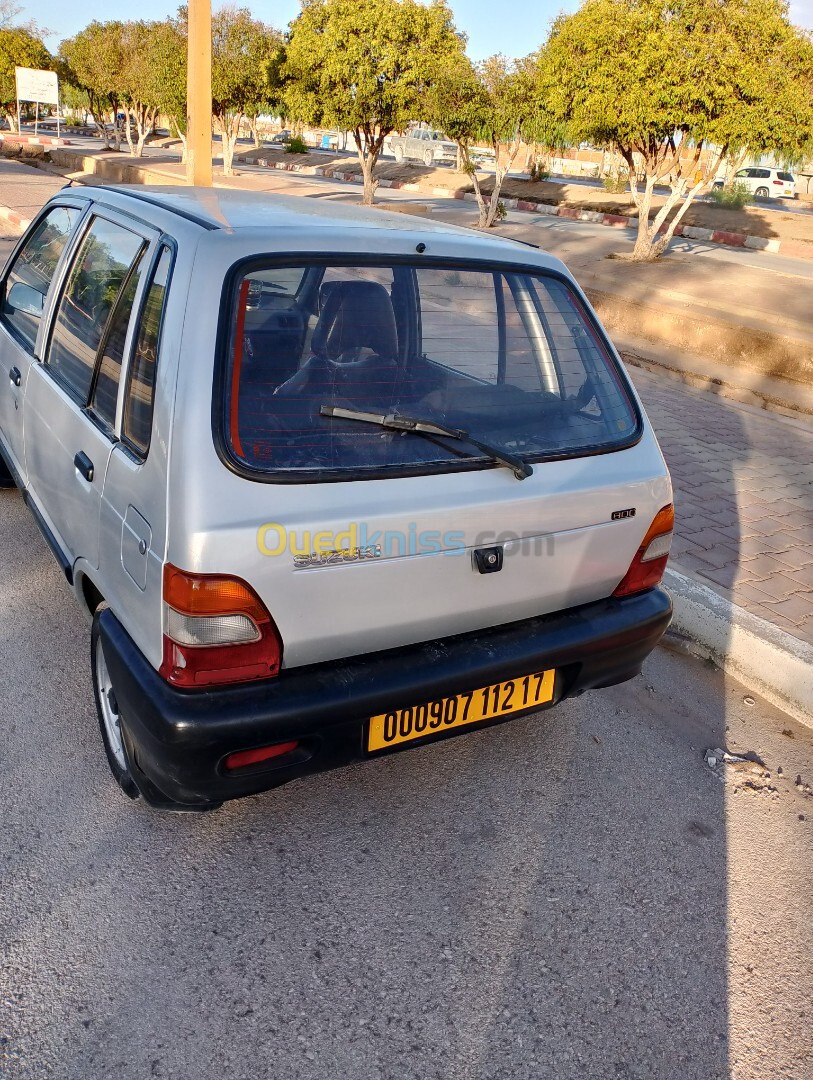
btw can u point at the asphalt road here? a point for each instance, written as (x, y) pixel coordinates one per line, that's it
(575, 894)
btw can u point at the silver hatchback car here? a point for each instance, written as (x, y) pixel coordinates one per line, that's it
(329, 482)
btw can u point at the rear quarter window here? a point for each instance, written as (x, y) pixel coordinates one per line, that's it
(508, 356)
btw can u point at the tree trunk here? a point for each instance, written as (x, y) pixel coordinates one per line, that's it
(12, 120)
(368, 148)
(642, 252)
(733, 166)
(230, 129)
(500, 173)
(370, 182)
(127, 131)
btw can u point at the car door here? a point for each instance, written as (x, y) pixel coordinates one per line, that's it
(72, 396)
(24, 293)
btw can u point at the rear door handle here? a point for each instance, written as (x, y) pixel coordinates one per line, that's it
(15, 376)
(84, 465)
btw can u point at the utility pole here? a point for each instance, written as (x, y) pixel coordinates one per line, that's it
(199, 95)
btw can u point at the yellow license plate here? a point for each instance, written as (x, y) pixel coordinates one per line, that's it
(446, 714)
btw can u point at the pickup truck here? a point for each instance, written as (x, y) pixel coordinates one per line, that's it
(423, 144)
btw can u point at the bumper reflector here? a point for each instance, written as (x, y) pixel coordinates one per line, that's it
(241, 758)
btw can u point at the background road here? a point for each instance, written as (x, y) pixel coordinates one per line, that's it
(575, 894)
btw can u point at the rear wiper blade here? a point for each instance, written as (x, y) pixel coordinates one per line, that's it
(396, 422)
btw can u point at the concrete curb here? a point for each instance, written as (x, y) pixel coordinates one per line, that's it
(594, 217)
(11, 217)
(767, 660)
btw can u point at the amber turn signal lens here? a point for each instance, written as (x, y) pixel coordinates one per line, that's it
(210, 594)
(647, 568)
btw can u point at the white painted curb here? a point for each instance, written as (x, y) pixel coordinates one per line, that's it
(763, 657)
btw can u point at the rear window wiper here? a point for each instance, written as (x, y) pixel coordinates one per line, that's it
(396, 422)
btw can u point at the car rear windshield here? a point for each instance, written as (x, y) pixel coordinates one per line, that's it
(508, 356)
(788, 177)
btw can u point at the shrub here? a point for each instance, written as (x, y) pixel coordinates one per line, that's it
(615, 183)
(295, 145)
(501, 212)
(730, 198)
(539, 172)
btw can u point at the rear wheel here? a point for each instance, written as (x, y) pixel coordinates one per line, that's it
(762, 193)
(108, 713)
(115, 747)
(6, 479)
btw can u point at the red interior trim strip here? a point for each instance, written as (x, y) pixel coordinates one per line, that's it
(237, 363)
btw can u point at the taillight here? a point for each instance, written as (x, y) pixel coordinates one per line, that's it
(216, 630)
(780, 182)
(649, 564)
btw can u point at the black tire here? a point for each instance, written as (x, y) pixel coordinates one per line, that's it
(6, 479)
(108, 715)
(123, 770)
(762, 193)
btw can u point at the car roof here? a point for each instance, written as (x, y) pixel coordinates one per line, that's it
(229, 209)
(231, 212)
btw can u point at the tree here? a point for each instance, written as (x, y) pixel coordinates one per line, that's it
(94, 61)
(363, 67)
(241, 51)
(18, 48)
(495, 103)
(168, 47)
(138, 82)
(677, 85)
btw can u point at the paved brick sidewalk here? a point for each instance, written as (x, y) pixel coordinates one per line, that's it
(23, 190)
(743, 497)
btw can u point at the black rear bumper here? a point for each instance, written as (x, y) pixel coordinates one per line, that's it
(177, 739)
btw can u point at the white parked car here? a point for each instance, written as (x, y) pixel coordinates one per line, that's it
(422, 144)
(766, 183)
(328, 482)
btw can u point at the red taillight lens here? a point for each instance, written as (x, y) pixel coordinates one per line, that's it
(649, 564)
(241, 758)
(216, 630)
(780, 182)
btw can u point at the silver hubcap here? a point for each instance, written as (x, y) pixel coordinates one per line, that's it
(110, 716)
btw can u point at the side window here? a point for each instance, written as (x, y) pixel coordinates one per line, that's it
(96, 277)
(106, 388)
(30, 276)
(139, 400)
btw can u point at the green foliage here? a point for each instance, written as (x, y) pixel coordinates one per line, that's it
(538, 172)
(495, 102)
(501, 211)
(242, 49)
(664, 79)
(644, 73)
(92, 61)
(18, 47)
(296, 145)
(730, 198)
(364, 67)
